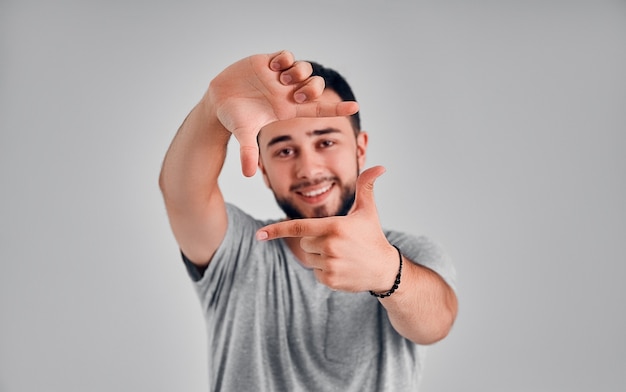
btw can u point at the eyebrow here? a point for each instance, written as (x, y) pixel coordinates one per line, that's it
(316, 132)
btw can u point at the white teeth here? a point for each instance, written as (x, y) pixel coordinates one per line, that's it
(316, 192)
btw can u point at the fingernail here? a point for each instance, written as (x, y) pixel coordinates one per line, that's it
(275, 66)
(299, 97)
(285, 78)
(261, 235)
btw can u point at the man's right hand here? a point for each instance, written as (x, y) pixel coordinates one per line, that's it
(261, 89)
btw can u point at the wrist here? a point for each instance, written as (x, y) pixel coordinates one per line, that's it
(397, 279)
(207, 114)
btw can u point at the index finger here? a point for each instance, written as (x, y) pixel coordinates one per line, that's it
(327, 109)
(310, 104)
(295, 228)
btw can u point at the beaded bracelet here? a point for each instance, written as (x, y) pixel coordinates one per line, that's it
(395, 284)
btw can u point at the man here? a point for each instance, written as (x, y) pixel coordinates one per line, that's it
(324, 300)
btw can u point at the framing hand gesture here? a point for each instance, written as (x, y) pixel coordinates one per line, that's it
(261, 89)
(348, 253)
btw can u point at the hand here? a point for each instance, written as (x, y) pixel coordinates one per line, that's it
(348, 253)
(261, 89)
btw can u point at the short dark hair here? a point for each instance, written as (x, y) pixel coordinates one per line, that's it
(338, 84)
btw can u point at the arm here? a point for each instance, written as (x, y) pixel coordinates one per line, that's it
(242, 99)
(188, 181)
(424, 307)
(351, 253)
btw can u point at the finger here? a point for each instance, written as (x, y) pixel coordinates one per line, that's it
(248, 152)
(325, 109)
(296, 228)
(313, 261)
(312, 245)
(299, 72)
(365, 188)
(282, 60)
(310, 90)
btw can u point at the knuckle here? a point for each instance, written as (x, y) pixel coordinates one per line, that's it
(286, 55)
(297, 228)
(334, 230)
(330, 248)
(319, 110)
(303, 69)
(328, 279)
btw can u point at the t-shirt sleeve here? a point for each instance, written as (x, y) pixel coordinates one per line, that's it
(425, 252)
(239, 241)
(195, 273)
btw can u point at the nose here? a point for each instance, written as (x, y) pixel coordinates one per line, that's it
(309, 165)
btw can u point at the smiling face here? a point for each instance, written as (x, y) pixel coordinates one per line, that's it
(311, 164)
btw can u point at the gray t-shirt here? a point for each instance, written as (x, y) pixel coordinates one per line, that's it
(272, 327)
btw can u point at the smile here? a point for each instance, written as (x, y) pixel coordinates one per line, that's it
(317, 192)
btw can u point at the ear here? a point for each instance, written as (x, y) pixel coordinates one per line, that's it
(361, 147)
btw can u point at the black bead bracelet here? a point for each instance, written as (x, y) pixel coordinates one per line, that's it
(395, 284)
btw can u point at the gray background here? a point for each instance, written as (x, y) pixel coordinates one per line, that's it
(502, 125)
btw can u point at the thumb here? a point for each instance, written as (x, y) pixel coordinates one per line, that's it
(248, 151)
(365, 188)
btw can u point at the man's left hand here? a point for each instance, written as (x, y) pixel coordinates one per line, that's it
(347, 253)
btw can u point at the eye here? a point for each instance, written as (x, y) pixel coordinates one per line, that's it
(326, 143)
(284, 152)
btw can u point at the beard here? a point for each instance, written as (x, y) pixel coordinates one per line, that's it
(348, 194)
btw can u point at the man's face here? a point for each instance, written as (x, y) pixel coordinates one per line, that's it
(311, 164)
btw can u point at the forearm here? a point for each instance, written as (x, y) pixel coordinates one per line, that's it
(194, 159)
(424, 307)
(188, 181)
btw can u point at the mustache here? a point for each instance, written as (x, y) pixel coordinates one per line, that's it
(307, 183)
